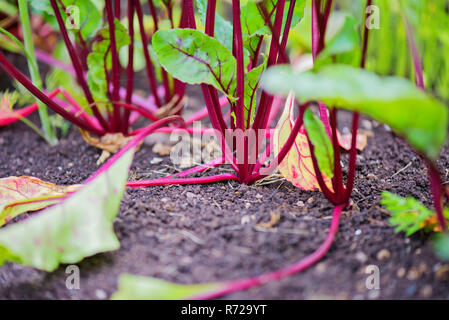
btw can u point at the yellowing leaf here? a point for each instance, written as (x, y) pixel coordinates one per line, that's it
(297, 166)
(345, 140)
(78, 227)
(23, 194)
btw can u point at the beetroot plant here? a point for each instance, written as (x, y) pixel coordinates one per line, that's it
(93, 49)
(412, 114)
(226, 59)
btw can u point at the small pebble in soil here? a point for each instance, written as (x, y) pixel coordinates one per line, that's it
(371, 176)
(383, 254)
(401, 272)
(156, 160)
(245, 220)
(259, 196)
(413, 274)
(190, 195)
(310, 200)
(367, 124)
(358, 232)
(320, 268)
(300, 204)
(361, 257)
(426, 291)
(100, 294)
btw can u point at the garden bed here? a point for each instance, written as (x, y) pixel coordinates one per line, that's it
(192, 234)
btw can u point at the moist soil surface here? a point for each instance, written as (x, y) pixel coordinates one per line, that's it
(192, 234)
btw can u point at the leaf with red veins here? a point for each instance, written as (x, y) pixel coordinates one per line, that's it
(195, 58)
(7, 114)
(297, 166)
(24, 194)
(7, 102)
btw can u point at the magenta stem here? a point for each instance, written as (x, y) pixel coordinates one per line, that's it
(419, 78)
(204, 112)
(77, 65)
(149, 63)
(264, 156)
(130, 68)
(238, 53)
(435, 186)
(325, 118)
(287, 26)
(182, 181)
(307, 262)
(115, 61)
(17, 75)
(319, 176)
(142, 111)
(77, 109)
(134, 143)
(284, 150)
(212, 164)
(24, 112)
(365, 38)
(265, 100)
(277, 103)
(337, 180)
(352, 157)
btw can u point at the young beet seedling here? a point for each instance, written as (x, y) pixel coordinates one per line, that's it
(230, 65)
(95, 64)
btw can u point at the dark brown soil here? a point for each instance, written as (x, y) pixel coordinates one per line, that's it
(191, 234)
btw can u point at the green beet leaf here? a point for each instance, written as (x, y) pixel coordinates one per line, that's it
(89, 15)
(223, 28)
(343, 46)
(409, 111)
(195, 58)
(100, 59)
(131, 287)
(77, 228)
(252, 79)
(321, 143)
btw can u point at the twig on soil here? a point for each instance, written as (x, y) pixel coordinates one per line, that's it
(401, 170)
(192, 237)
(218, 206)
